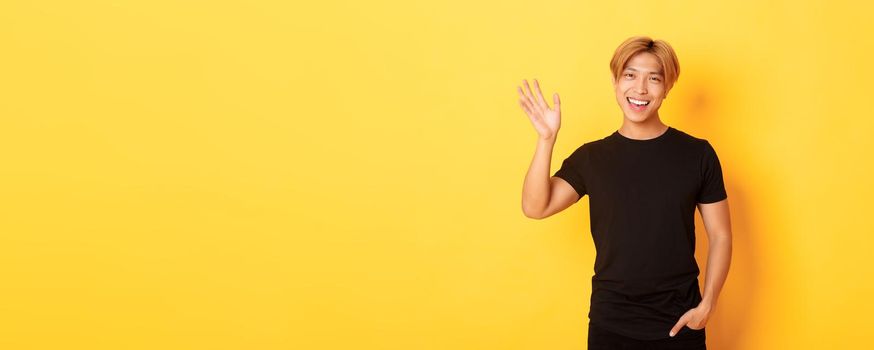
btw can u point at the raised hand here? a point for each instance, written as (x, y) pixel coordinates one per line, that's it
(546, 120)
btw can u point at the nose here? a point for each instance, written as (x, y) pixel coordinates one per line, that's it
(640, 86)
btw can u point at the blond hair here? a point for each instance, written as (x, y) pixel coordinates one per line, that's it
(660, 48)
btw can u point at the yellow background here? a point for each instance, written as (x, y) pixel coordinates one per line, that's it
(347, 174)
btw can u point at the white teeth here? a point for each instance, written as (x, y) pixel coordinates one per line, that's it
(638, 102)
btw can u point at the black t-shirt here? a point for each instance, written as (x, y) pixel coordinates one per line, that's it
(642, 200)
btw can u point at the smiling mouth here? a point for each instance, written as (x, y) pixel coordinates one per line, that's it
(636, 102)
(637, 105)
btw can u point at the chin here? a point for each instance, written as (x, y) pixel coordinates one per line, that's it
(638, 118)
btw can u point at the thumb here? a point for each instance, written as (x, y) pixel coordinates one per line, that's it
(555, 100)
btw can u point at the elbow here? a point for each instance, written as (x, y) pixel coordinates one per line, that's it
(720, 237)
(532, 216)
(531, 213)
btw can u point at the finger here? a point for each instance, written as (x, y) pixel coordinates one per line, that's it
(531, 96)
(677, 327)
(526, 100)
(525, 108)
(532, 115)
(556, 101)
(540, 98)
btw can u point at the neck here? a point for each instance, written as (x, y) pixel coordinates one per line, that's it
(647, 129)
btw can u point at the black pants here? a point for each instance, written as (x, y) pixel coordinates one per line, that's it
(687, 339)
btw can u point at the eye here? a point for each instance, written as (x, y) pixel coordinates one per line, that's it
(628, 75)
(656, 79)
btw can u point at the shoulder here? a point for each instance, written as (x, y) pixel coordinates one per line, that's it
(581, 155)
(585, 148)
(684, 136)
(594, 145)
(701, 145)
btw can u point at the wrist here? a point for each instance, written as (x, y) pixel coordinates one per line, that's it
(547, 141)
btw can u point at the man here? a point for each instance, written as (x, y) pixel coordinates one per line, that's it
(644, 182)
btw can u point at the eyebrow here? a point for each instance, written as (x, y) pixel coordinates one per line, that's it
(654, 72)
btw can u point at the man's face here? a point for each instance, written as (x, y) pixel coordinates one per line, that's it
(642, 80)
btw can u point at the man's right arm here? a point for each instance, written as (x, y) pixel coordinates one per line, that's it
(544, 195)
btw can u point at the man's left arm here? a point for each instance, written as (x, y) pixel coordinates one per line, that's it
(717, 222)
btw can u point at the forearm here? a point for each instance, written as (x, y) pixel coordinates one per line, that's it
(718, 262)
(536, 187)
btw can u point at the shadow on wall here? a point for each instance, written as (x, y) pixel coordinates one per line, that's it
(704, 110)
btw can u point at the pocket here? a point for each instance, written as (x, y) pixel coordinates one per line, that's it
(690, 333)
(694, 330)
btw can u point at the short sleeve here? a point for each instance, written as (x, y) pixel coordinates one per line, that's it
(712, 184)
(571, 171)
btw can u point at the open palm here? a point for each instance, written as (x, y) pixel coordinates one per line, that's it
(546, 120)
